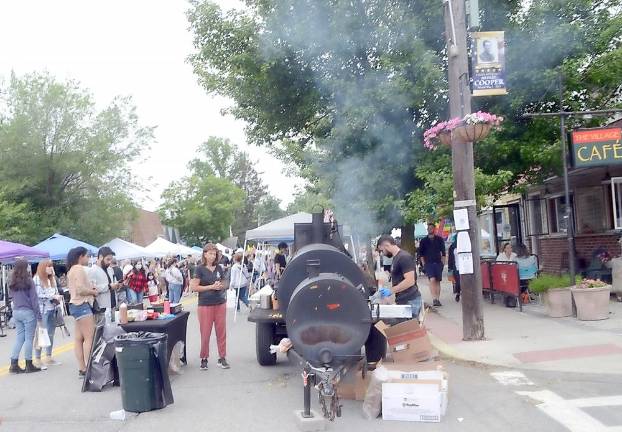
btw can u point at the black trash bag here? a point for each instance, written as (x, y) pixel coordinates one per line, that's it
(102, 368)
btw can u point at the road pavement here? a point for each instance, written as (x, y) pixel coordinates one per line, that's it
(250, 397)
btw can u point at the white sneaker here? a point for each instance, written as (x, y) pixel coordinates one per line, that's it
(51, 362)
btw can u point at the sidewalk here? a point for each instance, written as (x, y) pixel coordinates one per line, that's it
(528, 339)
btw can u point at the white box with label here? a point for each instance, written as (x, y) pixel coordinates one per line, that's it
(412, 401)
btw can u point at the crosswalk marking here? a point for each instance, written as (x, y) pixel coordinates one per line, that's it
(600, 401)
(512, 378)
(568, 412)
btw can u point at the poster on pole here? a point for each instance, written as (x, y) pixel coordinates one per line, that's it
(488, 63)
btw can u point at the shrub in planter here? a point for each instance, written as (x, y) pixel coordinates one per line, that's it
(592, 299)
(556, 293)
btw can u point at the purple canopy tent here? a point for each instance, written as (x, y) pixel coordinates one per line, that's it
(9, 251)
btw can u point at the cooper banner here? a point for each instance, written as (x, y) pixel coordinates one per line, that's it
(601, 146)
(488, 63)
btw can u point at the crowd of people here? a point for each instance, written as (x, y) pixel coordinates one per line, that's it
(432, 257)
(95, 291)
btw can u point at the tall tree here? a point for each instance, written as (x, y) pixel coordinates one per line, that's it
(269, 209)
(65, 161)
(219, 157)
(338, 87)
(344, 89)
(201, 207)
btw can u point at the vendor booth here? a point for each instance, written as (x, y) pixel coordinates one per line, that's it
(162, 247)
(58, 245)
(125, 250)
(9, 252)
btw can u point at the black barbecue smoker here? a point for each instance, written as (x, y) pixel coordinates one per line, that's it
(324, 311)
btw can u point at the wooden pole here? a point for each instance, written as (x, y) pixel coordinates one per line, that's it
(463, 165)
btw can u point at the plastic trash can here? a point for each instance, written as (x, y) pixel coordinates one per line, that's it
(143, 370)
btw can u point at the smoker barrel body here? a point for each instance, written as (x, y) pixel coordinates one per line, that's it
(331, 260)
(328, 320)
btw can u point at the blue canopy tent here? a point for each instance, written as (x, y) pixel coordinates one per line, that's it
(58, 245)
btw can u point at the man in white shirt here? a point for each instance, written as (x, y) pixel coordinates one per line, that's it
(102, 275)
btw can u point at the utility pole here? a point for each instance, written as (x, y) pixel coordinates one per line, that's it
(463, 165)
(568, 213)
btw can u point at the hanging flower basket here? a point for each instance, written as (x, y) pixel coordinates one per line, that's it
(440, 133)
(472, 133)
(445, 138)
(471, 128)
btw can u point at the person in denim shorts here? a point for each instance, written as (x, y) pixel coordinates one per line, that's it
(82, 297)
(403, 278)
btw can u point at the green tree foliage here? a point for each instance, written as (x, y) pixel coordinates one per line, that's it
(344, 90)
(269, 209)
(201, 207)
(331, 86)
(14, 219)
(219, 157)
(309, 200)
(580, 38)
(65, 164)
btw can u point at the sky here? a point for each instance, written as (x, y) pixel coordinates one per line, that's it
(137, 48)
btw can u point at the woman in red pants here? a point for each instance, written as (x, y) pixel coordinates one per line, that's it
(208, 281)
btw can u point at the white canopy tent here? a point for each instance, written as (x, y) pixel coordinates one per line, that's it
(162, 247)
(278, 230)
(125, 250)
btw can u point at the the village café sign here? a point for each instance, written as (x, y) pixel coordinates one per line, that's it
(592, 147)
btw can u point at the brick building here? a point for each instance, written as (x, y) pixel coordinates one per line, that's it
(147, 227)
(537, 218)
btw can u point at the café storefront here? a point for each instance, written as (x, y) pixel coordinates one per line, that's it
(537, 218)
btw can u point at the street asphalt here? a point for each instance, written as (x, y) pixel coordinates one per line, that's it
(249, 397)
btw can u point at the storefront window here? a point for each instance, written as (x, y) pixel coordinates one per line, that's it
(591, 210)
(557, 214)
(487, 245)
(536, 217)
(616, 199)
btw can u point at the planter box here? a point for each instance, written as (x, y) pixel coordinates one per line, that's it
(558, 302)
(592, 303)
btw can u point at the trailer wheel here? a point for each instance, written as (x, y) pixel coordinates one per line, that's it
(264, 337)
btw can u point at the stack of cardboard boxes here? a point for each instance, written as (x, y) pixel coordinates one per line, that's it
(409, 385)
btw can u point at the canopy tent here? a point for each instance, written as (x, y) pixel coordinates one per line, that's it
(278, 230)
(163, 247)
(58, 245)
(125, 250)
(283, 229)
(9, 251)
(197, 249)
(230, 243)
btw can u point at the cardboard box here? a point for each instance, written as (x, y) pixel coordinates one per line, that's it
(412, 401)
(408, 341)
(423, 373)
(353, 386)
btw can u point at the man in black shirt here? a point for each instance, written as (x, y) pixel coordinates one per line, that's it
(432, 254)
(279, 260)
(403, 279)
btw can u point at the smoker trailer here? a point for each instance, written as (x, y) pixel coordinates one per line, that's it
(324, 310)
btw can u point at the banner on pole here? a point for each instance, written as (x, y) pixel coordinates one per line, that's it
(488, 63)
